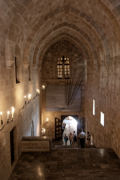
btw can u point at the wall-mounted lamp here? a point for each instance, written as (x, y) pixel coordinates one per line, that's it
(25, 99)
(43, 87)
(12, 111)
(37, 91)
(43, 130)
(29, 97)
(8, 116)
(47, 119)
(1, 118)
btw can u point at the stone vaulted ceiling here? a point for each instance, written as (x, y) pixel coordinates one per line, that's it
(35, 25)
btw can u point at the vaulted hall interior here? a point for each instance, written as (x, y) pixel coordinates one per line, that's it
(59, 59)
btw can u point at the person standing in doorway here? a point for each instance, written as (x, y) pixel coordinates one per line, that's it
(82, 138)
(74, 138)
(65, 139)
(71, 138)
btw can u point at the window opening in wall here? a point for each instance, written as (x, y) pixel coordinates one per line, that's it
(29, 71)
(93, 107)
(16, 72)
(63, 68)
(102, 118)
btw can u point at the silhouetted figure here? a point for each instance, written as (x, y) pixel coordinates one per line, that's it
(82, 139)
(65, 139)
(74, 137)
(88, 138)
(71, 138)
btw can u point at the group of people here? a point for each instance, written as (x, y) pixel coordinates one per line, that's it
(79, 139)
(71, 139)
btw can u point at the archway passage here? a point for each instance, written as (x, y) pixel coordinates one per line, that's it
(70, 123)
(69, 126)
(64, 95)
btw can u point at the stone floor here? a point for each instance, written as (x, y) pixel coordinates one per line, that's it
(68, 164)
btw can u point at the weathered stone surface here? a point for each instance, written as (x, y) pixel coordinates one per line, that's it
(32, 144)
(70, 164)
(28, 28)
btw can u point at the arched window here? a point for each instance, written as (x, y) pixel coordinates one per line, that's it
(63, 68)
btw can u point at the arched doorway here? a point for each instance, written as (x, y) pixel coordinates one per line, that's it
(69, 125)
(71, 121)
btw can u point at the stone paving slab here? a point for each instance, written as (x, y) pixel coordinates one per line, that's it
(68, 164)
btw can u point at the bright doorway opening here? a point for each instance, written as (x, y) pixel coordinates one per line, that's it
(69, 125)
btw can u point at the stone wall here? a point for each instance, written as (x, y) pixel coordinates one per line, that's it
(27, 30)
(104, 87)
(22, 123)
(58, 50)
(12, 94)
(56, 98)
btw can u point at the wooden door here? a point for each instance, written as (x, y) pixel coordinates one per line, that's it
(58, 129)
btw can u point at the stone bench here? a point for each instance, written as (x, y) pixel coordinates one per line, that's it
(35, 144)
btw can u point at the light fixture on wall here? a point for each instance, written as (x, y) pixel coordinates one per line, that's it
(43, 130)
(47, 119)
(8, 116)
(1, 123)
(29, 97)
(37, 91)
(43, 86)
(25, 99)
(12, 112)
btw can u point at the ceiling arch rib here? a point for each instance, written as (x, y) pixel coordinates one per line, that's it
(83, 43)
(40, 22)
(74, 31)
(113, 9)
(25, 8)
(27, 50)
(28, 8)
(77, 29)
(84, 49)
(89, 21)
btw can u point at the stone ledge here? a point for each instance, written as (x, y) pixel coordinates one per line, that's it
(35, 144)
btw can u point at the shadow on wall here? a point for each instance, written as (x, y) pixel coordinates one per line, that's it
(29, 119)
(32, 128)
(81, 124)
